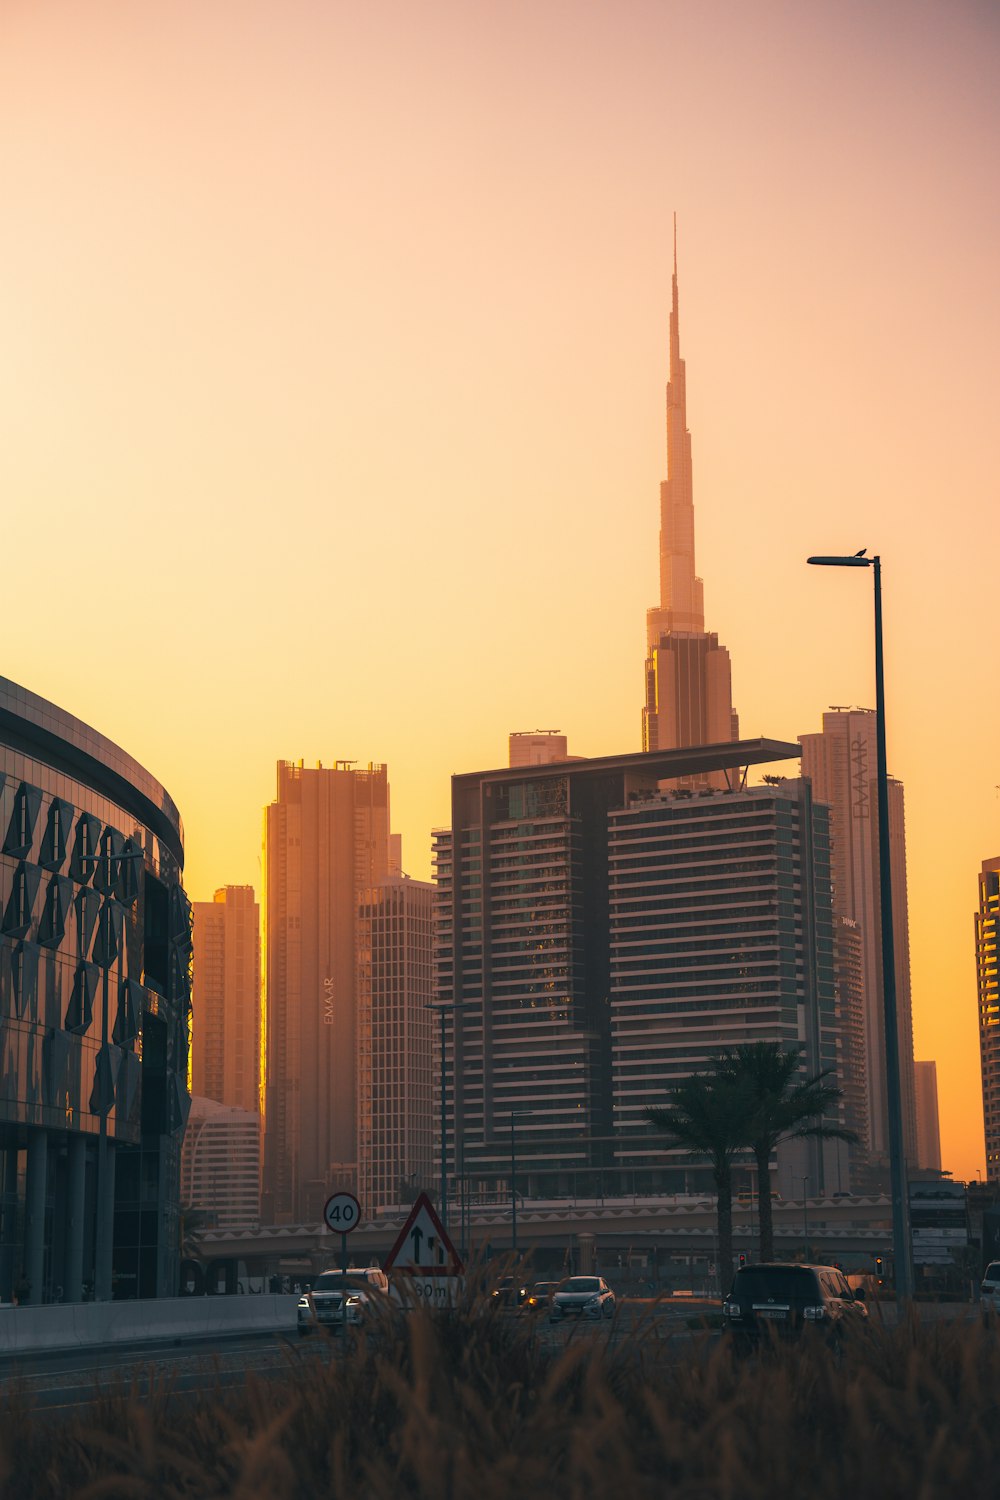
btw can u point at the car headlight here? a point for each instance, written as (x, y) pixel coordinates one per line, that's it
(814, 1314)
(732, 1310)
(354, 1301)
(303, 1302)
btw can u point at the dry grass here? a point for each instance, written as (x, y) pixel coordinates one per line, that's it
(470, 1406)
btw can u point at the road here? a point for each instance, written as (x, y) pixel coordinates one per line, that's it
(65, 1381)
(62, 1381)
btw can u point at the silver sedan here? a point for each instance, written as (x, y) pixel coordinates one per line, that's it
(582, 1297)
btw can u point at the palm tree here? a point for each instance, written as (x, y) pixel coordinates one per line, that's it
(781, 1106)
(708, 1114)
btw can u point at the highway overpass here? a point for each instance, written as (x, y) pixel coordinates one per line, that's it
(844, 1228)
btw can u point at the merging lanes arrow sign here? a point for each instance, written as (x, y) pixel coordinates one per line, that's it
(422, 1246)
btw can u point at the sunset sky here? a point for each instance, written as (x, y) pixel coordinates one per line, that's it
(333, 348)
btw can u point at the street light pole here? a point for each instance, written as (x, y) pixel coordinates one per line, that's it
(902, 1249)
(805, 1215)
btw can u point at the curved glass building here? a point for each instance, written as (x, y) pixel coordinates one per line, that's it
(95, 1008)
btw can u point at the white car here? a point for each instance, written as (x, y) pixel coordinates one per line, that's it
(989, 1291)
(323, 1307)
(582, 1297)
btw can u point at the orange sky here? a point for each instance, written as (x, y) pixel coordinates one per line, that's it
(332, 366)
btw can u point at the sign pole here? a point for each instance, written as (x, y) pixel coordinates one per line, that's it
(343, 1290)
(342, 1213)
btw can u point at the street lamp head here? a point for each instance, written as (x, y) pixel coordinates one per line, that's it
(841, 562)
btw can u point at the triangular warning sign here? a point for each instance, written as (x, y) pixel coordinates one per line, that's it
(422, 1246)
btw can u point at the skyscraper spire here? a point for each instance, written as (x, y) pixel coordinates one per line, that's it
(681, 604)
(688, 697)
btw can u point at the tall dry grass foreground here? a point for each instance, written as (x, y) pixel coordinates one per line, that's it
(471, 1406)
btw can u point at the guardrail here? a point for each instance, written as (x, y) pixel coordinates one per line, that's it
(71, 1325)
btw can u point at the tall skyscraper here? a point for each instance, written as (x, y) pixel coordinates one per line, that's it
(689, 697)
(928, 1123)
(840, 762)
(326, 840)
(578, 976)
(395, 1041)
(226, 1053)
(987, 968)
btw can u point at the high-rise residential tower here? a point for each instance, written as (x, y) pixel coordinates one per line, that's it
(326, 840)
(851, 1040)
(598, 938)
(721, 935)
(395, 1042)
(688, 682)
(987, 960)
(840, 761)
(225, 1048)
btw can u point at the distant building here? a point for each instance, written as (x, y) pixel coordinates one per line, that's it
(598, 939)
(939, 1225)
(326, 841)
(840, 762)
(95, 1001)
(721, 934)
(225, 1048)
(852, 1046)
(536, 747)
(220, 1164)
(395, 1042)
(688, 679)
(928, 1126)
(987, 968)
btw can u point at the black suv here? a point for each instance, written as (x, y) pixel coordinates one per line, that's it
(790, 1298)
(510, 1291)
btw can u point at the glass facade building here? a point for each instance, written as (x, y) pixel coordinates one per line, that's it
(95, 987)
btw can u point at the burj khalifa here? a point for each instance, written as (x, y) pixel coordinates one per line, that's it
(688, 685)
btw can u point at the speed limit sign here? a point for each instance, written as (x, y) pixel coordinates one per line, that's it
(342, 1213)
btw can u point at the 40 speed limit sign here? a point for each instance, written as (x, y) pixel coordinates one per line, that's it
(342, 1213)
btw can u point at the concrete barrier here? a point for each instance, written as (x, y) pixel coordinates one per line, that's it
(72, 1325)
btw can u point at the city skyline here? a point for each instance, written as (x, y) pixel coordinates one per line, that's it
(363, 328)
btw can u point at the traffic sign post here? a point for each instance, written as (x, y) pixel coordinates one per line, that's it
(342, 1213)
